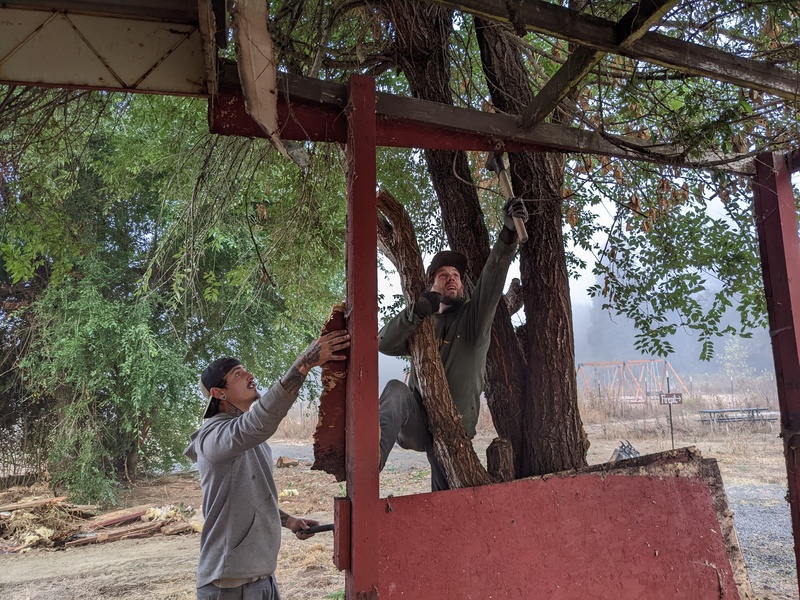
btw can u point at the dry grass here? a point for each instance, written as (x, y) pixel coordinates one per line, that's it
(746, 452)
(305, 569)
(300, 423)
(750, 452)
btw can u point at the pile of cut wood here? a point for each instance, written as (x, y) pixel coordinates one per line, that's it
(47, 522)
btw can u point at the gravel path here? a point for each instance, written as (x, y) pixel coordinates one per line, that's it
(764, 527)
(399, 459)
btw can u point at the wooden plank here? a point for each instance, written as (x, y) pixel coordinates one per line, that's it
(221, 19)
(601, 34)
(175, 11)
(571, 73)
(630, 28)
(639, 19)
(779, 245)
(176, 528)
(208, 35)
(84, 511)
(500, 128)
(118, 516)
(258, 67)
(132, 531)
(310, 109)
(32, 503)
(362, 374)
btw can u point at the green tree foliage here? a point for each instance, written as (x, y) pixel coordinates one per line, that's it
(136, 249)
(661, 236)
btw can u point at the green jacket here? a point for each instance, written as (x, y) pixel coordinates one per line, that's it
(464, 335)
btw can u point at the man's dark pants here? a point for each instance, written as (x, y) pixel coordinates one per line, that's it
(263, 589)
(404, 420)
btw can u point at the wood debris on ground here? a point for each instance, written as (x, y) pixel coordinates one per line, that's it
(44, 521)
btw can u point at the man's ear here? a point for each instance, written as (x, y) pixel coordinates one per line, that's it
(217, 393)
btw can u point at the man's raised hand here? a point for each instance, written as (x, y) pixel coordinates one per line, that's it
(328, 347)
(514, 207)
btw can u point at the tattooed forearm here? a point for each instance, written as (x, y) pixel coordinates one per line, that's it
(309, 358)
(284, 517)
(292, 380)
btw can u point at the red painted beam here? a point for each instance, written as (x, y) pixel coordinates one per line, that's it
(408, 134)
(317, 122)
(296, 121)
(361, 413)
(776, 222)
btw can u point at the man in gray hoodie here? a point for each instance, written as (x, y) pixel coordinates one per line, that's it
(241, 534)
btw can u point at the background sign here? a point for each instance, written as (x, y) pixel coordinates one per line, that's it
(670, 398)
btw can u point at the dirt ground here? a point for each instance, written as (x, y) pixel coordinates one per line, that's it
(163, 567)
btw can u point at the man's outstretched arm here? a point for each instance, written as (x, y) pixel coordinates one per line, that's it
(489, 287)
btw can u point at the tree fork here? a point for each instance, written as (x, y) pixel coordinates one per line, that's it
(452, 447)
(555, 439)
(423, 33)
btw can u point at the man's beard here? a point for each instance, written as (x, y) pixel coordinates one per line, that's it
(453, 303)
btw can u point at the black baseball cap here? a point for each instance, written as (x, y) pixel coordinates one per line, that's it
(214, 376)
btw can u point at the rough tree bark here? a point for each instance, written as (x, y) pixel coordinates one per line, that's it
(554, 432)
(452, 447)
(422, 53)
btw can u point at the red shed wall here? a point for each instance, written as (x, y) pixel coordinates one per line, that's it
(581, 537)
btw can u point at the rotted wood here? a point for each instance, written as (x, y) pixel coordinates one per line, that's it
(123, 533)
(118, 517)
(500, 459)
(31, 504)
(452, 447)
(329, 436)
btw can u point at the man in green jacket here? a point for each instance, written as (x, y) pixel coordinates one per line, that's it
(463, 326)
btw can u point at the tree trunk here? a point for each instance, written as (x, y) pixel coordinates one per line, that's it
(499, 460)
(452, 448)
(422, 44)
(555, 439)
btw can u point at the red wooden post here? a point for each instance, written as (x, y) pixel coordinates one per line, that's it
(362, 438)
(776, 221)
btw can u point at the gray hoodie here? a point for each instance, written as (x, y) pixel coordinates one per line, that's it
(242, 530)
